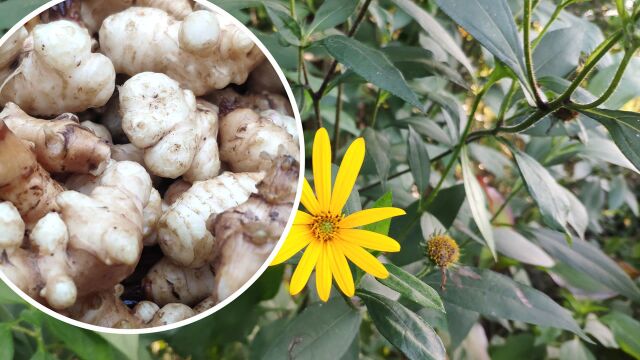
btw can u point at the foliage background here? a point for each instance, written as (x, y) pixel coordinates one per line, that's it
(410, 79)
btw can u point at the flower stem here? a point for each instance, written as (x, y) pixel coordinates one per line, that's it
(528, 58)
(612, 86)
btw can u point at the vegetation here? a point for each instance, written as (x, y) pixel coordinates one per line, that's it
(509, 127)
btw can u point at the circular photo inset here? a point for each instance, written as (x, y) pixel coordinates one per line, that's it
(150, 161)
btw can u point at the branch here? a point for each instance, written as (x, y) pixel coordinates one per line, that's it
(528, 59)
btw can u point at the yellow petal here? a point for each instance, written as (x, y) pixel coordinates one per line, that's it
(341, 271)
(364, 260)
(347, 175)
(321, 158)
(302, 218)
(369, 239)
(323, 273)
(304, 268)
(308, 199)
(369, 216)
(299, 237)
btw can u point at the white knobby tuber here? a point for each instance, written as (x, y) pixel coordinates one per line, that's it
(50, 237)
(249, 142)
(151, 214)
(93, 12)
(177, 134)
(59, 73)
(10, 51)
(182, 231)
(23, 181)
(12, 228)
(62, 144)
(201, 52)
(228, 100)
(99, 130)
(169, 283)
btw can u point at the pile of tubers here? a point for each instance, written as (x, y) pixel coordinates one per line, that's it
(149, 160)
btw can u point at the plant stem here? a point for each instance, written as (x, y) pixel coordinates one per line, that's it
(336, 127)
(458, 148)
(506, 201)
(363, 11)
(506, 103)
(528, 59)
(589, 65)
(612, 86)
(292, 8)
(375, 109)
(553, 18)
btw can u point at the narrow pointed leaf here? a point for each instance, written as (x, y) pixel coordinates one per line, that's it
(418, 160)
(412, 288)
(372, 65)
(477, 201)
(403, 328)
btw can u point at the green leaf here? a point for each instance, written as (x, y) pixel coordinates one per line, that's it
(477, 201)
(7, 296)
(412, 288)
(418, 160)
(126, 344)
(589, 260)
(575, 350)
(416, 62)
(496, 295)
(625, 330)
(378, 150)
(403, 328)
(13, 11)
(436, 31)
(624, 127)
(381, 227)
(628, 89)
(85, 344)
(322, 331)
(287, 26)
(6, 342)
(550, 197)
(331, 13)
(512, 244)
(491, 23)
(606, 150)
(372, 65)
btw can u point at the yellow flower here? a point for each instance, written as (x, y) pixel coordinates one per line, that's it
(331, 238)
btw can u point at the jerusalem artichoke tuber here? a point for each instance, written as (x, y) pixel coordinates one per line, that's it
(202, 52)
(93, 12)
(182, 232)
(23, 181)
(177, 134)
(168, 283)
(12, 228)
(228, 100)
(246, 235)
(62, 144)
(249, 142)
(59, 73)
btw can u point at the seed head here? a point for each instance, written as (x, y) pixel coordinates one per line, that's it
(443, 250)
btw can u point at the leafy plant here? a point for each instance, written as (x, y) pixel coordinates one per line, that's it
(510, 126)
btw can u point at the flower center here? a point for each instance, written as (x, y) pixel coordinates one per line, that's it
(325, 226)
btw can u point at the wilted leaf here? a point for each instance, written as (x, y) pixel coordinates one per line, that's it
(403, 328)
(412, 288)
(372, 65)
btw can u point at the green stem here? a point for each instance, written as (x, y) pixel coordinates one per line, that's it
(506, 103)
(506, 201)
(612, 86)
(459, 146)
(528, 58)
(589, 65)
(24, 330)
(292, 8)
(336, 127)
(377, 107)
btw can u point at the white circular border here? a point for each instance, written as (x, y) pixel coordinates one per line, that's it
(264, 266)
